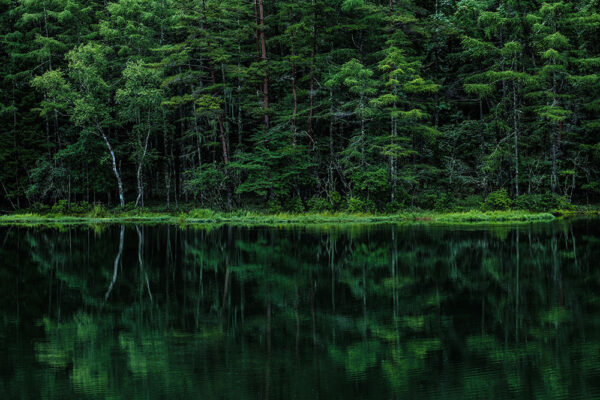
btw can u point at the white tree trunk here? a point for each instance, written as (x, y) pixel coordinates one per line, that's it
(115, 169)
(140, 182)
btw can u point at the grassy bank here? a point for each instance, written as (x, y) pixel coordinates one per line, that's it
(253, 218)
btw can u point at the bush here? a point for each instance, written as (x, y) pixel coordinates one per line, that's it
(318, 205)
(542, 202)
(444, 202)
(393, 207)
(470, 202)
(82, 207)
(61, 207)
(294, 205)
(201, 213)
(129, 207)
(40, 207)
(355, 205)
(274, 206)
(426, 200)
(335, 200)
(498, 200)
(98, 211)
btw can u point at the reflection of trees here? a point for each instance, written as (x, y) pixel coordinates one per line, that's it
(376, 311)
(116, 263)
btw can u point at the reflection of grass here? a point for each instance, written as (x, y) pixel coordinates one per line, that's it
(208, 217)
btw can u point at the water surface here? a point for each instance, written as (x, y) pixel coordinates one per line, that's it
(349, 312)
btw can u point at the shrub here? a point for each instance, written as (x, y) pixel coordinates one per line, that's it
(498, 200)
(61, 207)
(129, 206)
(393, 207)
(470, 202)
(294, 205)
(98, 211)
(530, 202)
(82, 207)
(444, 202)
(426, 200)
(355, 205)
(542, 202)
(563, 204)
(40, 207)
(335, 200)
(318, 205)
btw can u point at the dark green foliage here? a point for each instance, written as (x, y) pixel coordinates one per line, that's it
(318, 205)
(405, 312)
(295, 105)
(445, 202)
(542, 202)
(498, 200)
(355, 205)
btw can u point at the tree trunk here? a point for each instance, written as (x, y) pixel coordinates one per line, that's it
(256, 33)
(554, 177)
(221, 126)
(392, 158)
(295, 97)
(115, 168)
(223, 145)
(16, 149)
(116, 264)
(516, 129)
(263, 58)
(362, 138)
(140, 178)
(311, 93)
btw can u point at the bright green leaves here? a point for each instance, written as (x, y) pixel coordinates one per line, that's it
(553, 113)
(355, 77)
(480, 90)
(88, 69)
(141, 91)
(349, 6)
(58, 91)
(478, 48)
(357, 81)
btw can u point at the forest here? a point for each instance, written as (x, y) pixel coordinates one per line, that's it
(298, 105)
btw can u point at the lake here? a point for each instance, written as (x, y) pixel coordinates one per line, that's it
(312, 312)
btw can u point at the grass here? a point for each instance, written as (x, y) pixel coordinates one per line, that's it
(253, 218)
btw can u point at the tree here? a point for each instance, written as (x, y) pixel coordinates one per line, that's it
(140, 104)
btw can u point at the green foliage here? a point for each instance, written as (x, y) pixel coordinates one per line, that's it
(294, 205)
(355, 205)
(444, 202)
(62, 207)
(318, 204)
(201, 213)
(169, 102)
(542, 202)
(471, 202)
(98, 211)
(426, 200)
(498, 200)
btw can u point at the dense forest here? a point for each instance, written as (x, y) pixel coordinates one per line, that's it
(298, 104)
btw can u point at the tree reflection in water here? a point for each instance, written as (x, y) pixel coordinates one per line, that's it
(304, 312)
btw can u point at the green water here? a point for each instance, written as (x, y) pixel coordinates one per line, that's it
(354, 312)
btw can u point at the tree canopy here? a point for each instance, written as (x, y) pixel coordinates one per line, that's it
(244, 104)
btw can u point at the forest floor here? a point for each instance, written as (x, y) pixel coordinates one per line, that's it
(253, 218)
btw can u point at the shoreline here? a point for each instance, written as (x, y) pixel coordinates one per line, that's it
(249, 218)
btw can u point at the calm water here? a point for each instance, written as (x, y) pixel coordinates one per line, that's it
(360, 312)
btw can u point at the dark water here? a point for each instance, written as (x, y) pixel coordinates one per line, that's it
(361, 312)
